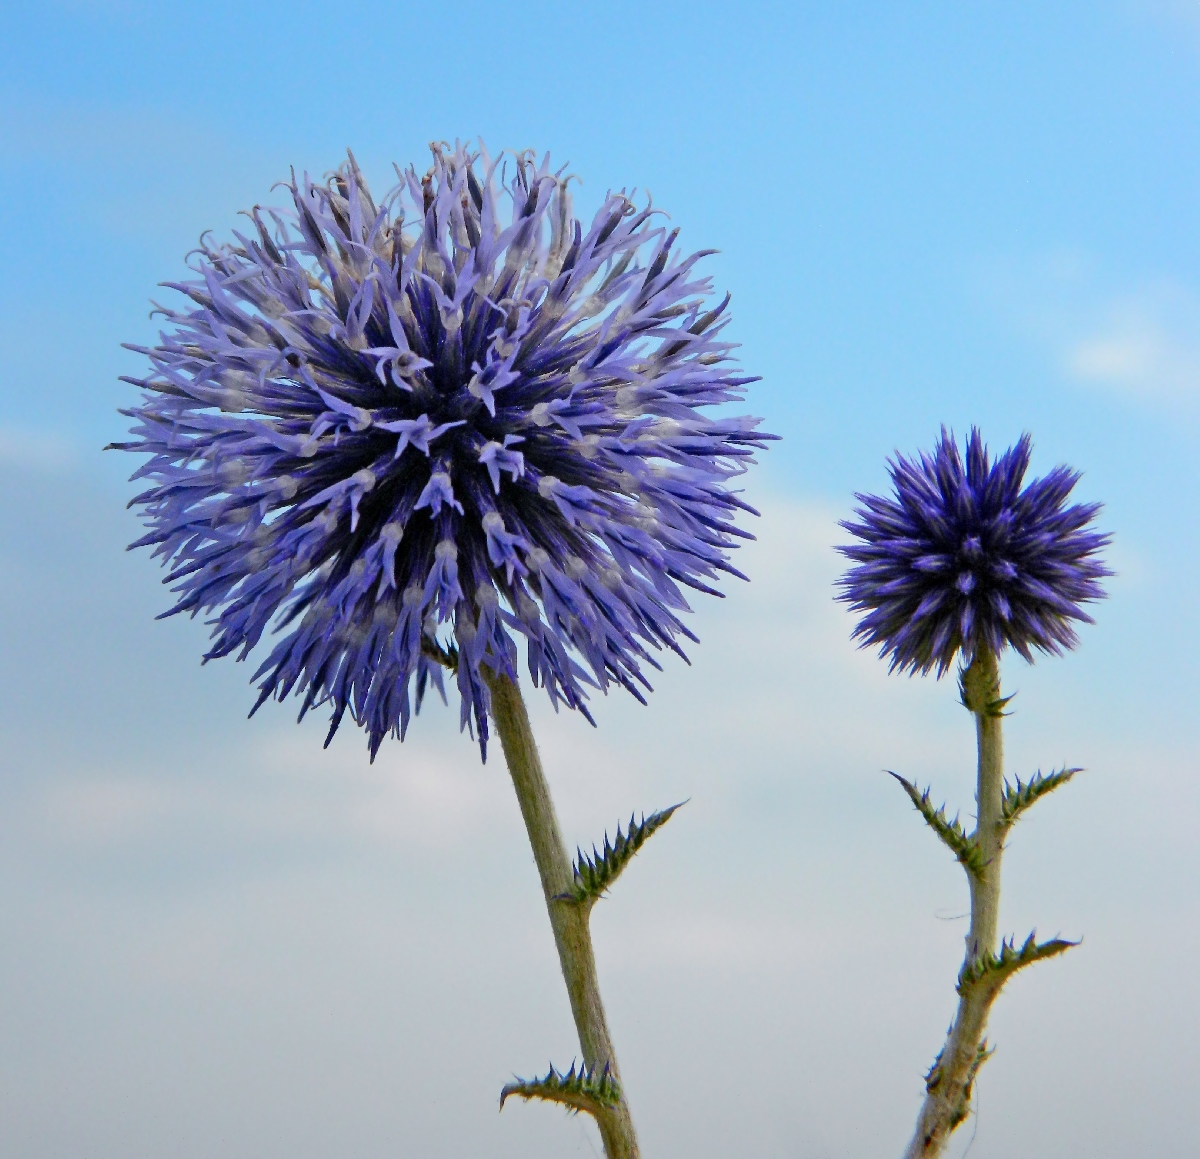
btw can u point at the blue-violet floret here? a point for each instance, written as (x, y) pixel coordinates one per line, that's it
(408, 435)
(962, 557)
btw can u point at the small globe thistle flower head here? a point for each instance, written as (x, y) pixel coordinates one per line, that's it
(963, 558)
(412, 434)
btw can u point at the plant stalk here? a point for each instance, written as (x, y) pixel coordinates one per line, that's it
(569, 920)
(950, 1080)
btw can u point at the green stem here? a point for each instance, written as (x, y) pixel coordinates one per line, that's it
(948, 1086)
(569, 920)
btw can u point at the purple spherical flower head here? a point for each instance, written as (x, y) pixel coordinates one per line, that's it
(411, 434)
(962, 557)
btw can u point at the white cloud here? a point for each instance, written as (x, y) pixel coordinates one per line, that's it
(1146, 345)
(1140, 340)
(285, 790)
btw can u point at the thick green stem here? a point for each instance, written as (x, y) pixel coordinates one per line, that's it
(568, 919)
(948, 1086)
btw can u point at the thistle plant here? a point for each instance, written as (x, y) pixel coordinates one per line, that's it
(409, 437)
(960, 564)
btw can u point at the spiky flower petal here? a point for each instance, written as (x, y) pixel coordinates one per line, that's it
(377, 422)
(963, 557)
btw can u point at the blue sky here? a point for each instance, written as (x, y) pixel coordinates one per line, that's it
(218, 939)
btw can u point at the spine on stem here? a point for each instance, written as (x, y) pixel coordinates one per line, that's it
(949, 1081)
(987, 965)
(598, 1089)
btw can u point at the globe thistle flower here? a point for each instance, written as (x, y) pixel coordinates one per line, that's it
(411, 435)
(962, 557)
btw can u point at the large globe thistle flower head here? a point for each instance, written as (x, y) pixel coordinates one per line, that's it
(410, 435)
(963, 557)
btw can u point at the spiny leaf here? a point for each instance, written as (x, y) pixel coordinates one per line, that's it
(963, 1107)
(991, 707)
(993, 970)
(446, 657)
(933, 1077)
(953, 835)
(595, 874)
(982, 1054)
(580, 1090)
(1018, 797)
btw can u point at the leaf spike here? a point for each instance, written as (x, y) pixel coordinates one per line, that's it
(993, 707)
(582, 1090)
(1022, 794)
(991, 971)
(964, 847)
(594, 875)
